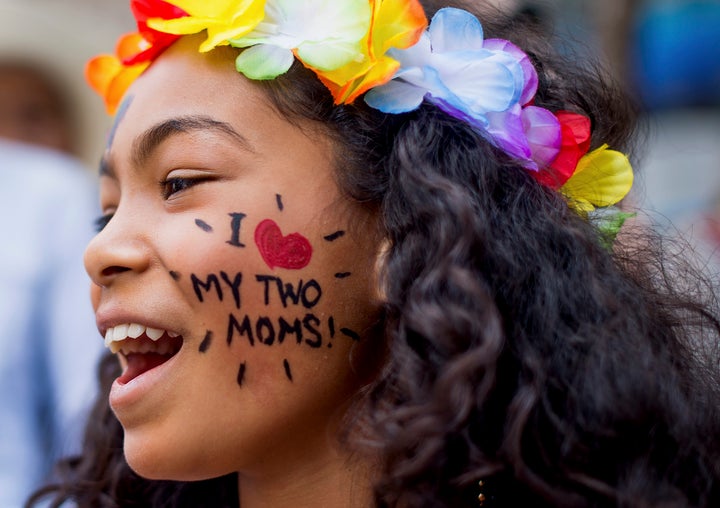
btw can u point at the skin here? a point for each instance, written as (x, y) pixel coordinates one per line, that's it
(197, 421)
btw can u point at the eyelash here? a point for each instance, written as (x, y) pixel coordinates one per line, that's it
(174, 185)
(102, 221)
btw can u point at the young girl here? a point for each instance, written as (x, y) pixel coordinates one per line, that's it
(362, 254)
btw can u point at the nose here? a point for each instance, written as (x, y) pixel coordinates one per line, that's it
(119, 250)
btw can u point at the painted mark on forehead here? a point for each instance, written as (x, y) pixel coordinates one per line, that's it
(118, 120)
(203, 225)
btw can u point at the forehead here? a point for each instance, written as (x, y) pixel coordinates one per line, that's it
(183, 82)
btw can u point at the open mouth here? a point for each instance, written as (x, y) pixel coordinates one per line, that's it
(141, 348)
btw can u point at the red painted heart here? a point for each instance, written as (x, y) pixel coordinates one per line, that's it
(292, 251)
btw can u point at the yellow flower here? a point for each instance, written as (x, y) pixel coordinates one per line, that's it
(223, 19)
(395, 24)
(602, 178)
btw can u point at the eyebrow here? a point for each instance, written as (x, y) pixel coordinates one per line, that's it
(145, 144)
(148, 141)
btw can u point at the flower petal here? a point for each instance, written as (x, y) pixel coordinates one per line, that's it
(574, 144)
(454, 29)
(379, 73)
(264, 61)
(327, 56)
(395, 24)
(530, 74)
(485, 81)
(542, 129)
(120, 84)
(395, 97)
(100, 71)
(508, 132)
(223, 20)
(603, 177)
(129, 45)
(325, 34)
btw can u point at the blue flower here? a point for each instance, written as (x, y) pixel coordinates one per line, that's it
(450, 67)
(483, 82)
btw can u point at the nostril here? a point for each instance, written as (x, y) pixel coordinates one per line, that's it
(114, 270)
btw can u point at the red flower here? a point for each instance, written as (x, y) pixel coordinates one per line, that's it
(575, 143)
(157, 41)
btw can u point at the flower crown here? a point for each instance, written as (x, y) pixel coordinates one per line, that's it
(386, 50)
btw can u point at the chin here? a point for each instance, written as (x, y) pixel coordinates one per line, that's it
(167, 461)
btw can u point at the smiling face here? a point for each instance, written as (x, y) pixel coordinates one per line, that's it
(232, 277)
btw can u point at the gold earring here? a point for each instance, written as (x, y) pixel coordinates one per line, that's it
(481, 496)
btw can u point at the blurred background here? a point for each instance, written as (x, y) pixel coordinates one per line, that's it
(56, 39)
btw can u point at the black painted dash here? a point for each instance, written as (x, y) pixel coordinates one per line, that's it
(205, 344)
(334, 236)
(280, 205)
(347, 331)
(174, 275)
(241, 374)
(203, 225)
(342, 275)
(288, 372)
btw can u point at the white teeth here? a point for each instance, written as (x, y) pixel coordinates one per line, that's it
(120, 332)
(135, 330)
(154, 333)
(116, 335)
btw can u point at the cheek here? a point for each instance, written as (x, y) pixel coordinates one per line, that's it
(273, 291)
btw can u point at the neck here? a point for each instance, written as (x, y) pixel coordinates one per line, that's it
(333, 479)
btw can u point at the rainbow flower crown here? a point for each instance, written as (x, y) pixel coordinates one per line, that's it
(386, 50)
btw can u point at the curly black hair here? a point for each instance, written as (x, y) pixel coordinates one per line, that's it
(525, 361)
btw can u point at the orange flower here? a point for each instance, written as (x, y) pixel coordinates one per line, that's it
(109, 77)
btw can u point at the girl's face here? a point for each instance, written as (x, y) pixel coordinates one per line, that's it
(230, 240)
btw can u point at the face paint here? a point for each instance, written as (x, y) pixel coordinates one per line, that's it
(205, 344)
(235, 226)
(118, 119)
(203, 225)
(292, 251)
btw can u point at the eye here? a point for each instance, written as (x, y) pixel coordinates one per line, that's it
(174, 185)
(102, 221)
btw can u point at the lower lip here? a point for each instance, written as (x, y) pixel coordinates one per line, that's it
(125, 395)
